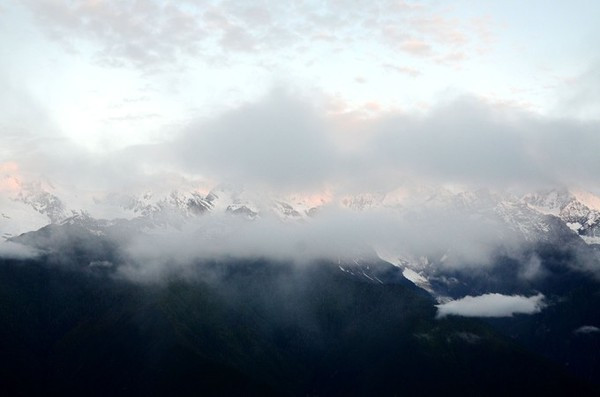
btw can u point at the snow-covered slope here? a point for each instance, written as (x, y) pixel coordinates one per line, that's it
(17, 217)
(579, 210)
(26, 206)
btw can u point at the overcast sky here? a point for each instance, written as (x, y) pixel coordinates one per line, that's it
(301, 94)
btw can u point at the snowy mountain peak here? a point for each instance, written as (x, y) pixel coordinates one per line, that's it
(34, 205)
(579, 210)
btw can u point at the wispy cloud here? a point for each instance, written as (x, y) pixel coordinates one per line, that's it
(412, 72)
(150, 34)
(144, 33)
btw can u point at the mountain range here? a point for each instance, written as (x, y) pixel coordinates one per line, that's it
(363, 320)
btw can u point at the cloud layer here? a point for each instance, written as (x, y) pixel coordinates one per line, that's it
(285, 141)
(334, 234)
(291, 141)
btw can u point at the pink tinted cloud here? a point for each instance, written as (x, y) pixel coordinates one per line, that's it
(441, 29)
(416, 47)
(412, 72)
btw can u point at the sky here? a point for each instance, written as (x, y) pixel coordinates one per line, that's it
(301, 95)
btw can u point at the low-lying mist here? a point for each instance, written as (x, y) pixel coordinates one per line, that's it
(333, 234)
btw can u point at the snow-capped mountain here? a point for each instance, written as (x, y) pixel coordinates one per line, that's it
(508, 222)
(580, 211)
(532, 245)
(27, 206)
(538, 216)
(17, 217)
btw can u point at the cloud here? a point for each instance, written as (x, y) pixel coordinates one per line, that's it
(492, 305)
(152, 34)
(587, 329)
(442, 29)
(285, 140)
(144, 33)
(334, 233)
(581, 94)
(280, 141)
(289, 141)
(12, 250)
(412, 72)
(416, 47)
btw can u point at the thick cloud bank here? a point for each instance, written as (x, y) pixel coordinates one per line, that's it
(285, 141)
(292, 141)
(492, 305)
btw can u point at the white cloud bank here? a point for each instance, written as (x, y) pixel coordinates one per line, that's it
(492, 305)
